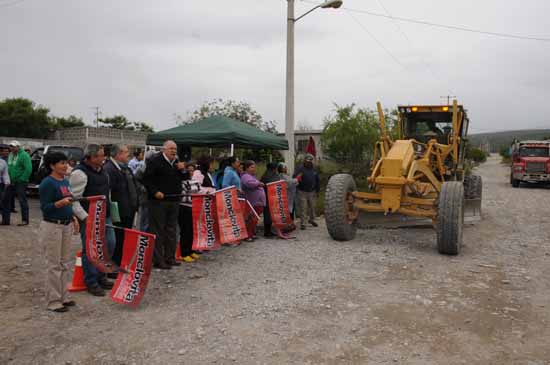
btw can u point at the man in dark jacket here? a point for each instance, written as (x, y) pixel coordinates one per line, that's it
(308, 188)
(162, 178)
(123, 192)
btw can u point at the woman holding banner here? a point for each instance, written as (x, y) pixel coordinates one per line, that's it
(253, 189)
(269, 176)
(55, 230)
(231, 173)
(185, 221)
(291, 184)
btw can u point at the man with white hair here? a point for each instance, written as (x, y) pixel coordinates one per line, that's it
(89, 179)
(163, 179)
(20, 168)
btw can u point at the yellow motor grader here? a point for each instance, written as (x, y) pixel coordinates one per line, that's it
(421, 174)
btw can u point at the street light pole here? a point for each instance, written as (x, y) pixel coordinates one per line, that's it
(289, 110)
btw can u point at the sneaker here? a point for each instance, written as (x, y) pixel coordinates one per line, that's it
(105, 284)
(163, 266)
(303, 227)
(70, 303)
(96, 291)
(187, 259)
(24, 223)
(195, 255)
(313, 223)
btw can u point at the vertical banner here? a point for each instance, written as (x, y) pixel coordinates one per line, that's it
(278, 207)
(97, 250)
(205, 227)
(231, 224)
(135, 268)
(251, 218)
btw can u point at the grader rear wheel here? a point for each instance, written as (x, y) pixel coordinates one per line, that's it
(473, 187)
(340, 214)
(450, 218)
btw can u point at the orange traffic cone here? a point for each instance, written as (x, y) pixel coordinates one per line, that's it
(178, 251)
(78, 275)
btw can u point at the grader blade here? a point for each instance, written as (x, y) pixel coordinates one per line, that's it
(472, 210)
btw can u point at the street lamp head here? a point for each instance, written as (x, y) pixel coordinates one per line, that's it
(335, 4)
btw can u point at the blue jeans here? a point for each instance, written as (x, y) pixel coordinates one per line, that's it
(19, 190)
(144, 217)
(91, 274)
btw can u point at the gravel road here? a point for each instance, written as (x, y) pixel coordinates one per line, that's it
(385, 297)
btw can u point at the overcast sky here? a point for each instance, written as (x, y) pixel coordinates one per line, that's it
(151, 59)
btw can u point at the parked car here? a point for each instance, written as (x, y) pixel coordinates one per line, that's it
(37, 160)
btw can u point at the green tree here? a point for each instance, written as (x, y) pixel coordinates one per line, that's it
(143, 127)
(350, 135)
(20, 117)
(117, 122)
(70, 122)
(241, 111)
(476, 154)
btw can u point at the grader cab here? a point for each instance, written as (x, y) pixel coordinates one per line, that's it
(421, 174)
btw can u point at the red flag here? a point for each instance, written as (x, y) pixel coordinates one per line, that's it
(97, 251)
(251, 218)
(310, 148)
(205, 228)
(231, 224)
(278, 207)
(135, 270)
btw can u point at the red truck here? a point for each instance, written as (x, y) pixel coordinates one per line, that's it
(530, 162)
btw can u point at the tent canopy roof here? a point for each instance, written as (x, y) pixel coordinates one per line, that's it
(219, 131)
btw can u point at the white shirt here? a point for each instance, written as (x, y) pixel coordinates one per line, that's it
(170, 162)
(4, 175)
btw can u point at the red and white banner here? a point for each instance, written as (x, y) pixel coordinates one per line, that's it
(251, 218)
(278, 207)
(97, 251)
(135, 268)
(205, 226)
(231, 224)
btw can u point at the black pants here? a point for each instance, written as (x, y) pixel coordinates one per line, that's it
(163, 222)
(267, 222)
(125, 222)
(186, 230)
(15, 190)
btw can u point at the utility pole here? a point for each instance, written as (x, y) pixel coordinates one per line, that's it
(97, 114)
(448, 97)
(289, 105)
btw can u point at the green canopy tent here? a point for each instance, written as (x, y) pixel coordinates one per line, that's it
(219, 131)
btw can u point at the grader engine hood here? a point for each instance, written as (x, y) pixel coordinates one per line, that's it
(393, 171)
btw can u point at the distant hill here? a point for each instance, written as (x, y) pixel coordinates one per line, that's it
(497, 139)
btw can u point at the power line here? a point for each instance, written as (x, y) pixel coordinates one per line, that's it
(410, 43)
(444, 26)
(376, 39)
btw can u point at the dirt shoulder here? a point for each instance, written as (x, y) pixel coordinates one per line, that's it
(385, 297)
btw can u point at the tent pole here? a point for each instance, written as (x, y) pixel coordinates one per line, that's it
(232, 150)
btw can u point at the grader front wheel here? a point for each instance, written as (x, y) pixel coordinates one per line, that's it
(340, 213)
(450, 218)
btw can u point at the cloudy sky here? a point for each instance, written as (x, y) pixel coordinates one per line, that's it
(151, 59)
